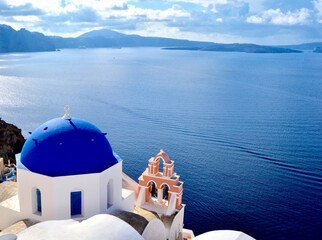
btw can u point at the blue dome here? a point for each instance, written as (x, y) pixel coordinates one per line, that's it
(62, 147)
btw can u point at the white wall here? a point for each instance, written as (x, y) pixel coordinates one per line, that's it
(128, 199)
(27, 181)
(62, 188)
(114, 173)
(55, 193)
(8, 217)
(177, 225)
(154, 230)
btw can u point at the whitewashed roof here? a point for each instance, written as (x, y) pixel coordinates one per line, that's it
(224, 235)
(101, 226)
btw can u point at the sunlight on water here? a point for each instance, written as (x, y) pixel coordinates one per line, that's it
(10, 92)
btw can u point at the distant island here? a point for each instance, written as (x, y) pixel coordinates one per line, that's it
(25, 41)
(318, 50)
(239, 47)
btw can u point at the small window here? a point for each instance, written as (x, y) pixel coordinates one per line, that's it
(76, 203)
(38, 201)
(110, 193)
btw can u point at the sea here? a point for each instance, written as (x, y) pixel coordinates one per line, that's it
(244, 130)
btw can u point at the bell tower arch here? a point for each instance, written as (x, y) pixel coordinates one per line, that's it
(160, 190)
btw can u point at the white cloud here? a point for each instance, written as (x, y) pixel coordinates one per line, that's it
(318, 8)
(46, 6)
(213, 5)
(146, 14)
(204, 3)
(56, 7)
(255, 19)
(277, 17)
(155, 29)
(27, 19)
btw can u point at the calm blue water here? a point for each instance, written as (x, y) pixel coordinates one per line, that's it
(245, 130)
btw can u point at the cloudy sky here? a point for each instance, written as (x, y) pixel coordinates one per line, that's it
(257, 21)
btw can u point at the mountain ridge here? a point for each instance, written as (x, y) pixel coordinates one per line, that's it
(107, 33)
(109, 38)
(25, 41)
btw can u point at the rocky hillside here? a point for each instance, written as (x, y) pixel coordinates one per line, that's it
(11, 140)
(23, 41)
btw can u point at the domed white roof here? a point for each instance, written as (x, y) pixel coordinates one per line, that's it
(102, 226)
(224, 235)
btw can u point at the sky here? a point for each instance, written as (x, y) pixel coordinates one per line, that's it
(224, 21)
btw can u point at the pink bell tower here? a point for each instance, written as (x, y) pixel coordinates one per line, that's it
(160, 192)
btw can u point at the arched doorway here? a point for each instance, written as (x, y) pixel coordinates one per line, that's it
(76, 208)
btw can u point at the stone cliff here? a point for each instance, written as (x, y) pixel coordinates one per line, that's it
(11, 140)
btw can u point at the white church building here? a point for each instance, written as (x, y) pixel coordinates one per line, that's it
(67, 170)
(68, 175)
